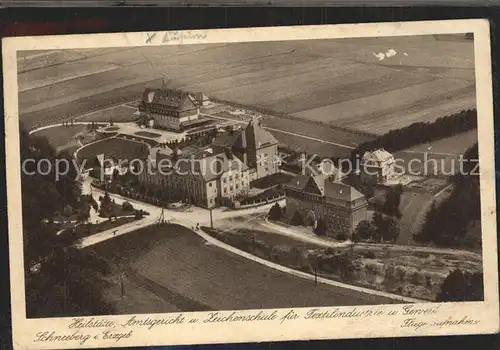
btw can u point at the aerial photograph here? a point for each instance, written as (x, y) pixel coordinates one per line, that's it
(236, 176)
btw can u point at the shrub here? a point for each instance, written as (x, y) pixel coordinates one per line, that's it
(320, 228)
(297, 219)
(127, 206)
(369, 255)
(462, 286)
(68, 210)
(365, 230)
(275, 212)
(341, 237)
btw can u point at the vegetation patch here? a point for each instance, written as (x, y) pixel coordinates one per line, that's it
(147, 134)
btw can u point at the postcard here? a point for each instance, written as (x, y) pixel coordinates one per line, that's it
(248, 185)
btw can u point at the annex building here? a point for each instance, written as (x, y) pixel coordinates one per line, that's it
(322, 196)
(377, 166)
(254, 146)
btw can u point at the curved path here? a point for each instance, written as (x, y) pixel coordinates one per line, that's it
(201, 216)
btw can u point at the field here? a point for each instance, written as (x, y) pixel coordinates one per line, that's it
(422, 271)
(120, 113)
(336, 82)
(456, 144)
(60, 135)
(116, 148)
(177, 266)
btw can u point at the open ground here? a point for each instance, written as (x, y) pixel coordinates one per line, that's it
(156, 261)
(337, 82)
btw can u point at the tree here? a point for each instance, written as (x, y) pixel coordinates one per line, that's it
(297, 219)
(462, 286)
(391, 232)
(320, 228)
(275, 212)
(430, 225)
(67, 281)
(116, 175)
(84, 213)
(392, 201)
(365, 230)
(68, 210)
(378, 223)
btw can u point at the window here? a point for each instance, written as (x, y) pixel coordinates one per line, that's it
(210, 184)
(224, 180)
(236, 176)
(225, 189)
(231, 188)
(266, 170)
(230, 178)
(237, 186)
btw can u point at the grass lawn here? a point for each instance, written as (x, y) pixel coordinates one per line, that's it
(456, 144)
(117, 114)
(147, 134)
(117, 148)
(271, 180)
(60, 136)
(89, 229)
(183, 270)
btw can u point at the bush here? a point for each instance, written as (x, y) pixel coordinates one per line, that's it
(275, 212)
(297, 219)
(341, 237)
(320, 228)
(68, 210)
(462, 286)
(127, 206)
(365, 230)
(369, 255)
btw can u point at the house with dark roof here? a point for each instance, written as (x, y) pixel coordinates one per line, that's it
(170, 109)
(323, 197)
(203, 176)
(254, 146)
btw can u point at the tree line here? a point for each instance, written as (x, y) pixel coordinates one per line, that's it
(61, 280)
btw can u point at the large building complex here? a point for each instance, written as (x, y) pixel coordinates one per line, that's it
(171, 109)
(254, 146)
(315, 197)
(202, 177)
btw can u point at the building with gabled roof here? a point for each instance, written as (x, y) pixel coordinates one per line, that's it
(378, 166)
(170, 108)
(204, 176)
(254, 146)
(322, 197)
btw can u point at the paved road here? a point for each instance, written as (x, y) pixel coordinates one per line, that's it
(189, 218)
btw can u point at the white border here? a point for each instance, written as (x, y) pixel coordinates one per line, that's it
(487, 311)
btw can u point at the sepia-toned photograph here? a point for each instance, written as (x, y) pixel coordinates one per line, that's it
(320, 175)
